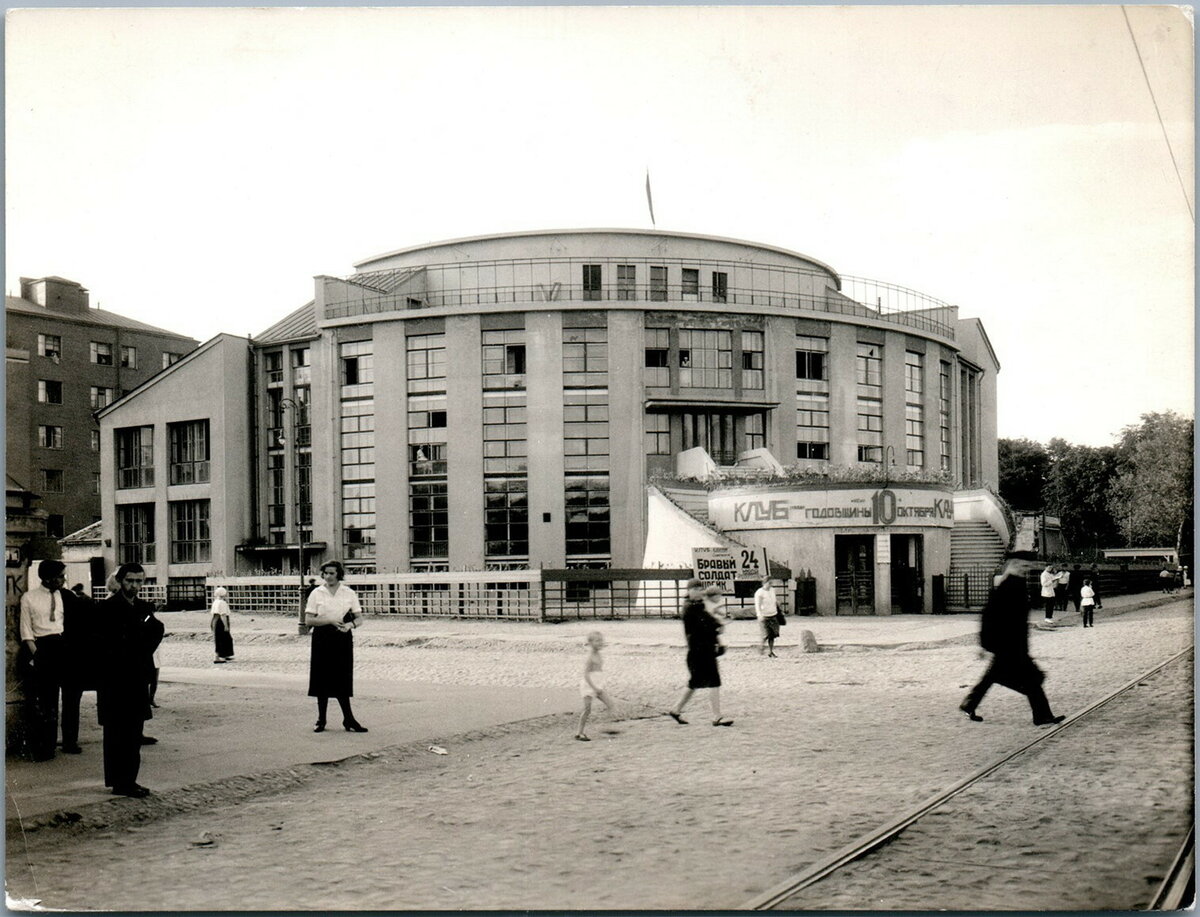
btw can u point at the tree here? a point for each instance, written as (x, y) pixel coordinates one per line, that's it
(1151, 494)
(1078, 485)
(1023, 468)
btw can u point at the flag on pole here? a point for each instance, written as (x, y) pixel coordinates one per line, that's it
(650, 200)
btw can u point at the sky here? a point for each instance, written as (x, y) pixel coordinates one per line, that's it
(196, 168)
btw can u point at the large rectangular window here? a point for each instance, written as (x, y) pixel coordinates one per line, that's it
(914, 410)
(592, 288)
(135, 456)
(129, 357)
(658, 349)
(504, 359)
(301, 366)
(812, 354)
(658, 284)
(358, 440)
(189, 452)
(100, 396)
(505, 444)
(50, 436)
(626, 281)
(101, 353)
(428, 448)
(52, 481)
(426, 363)
(812, 426)
(506, 517)
(358, 520)
(358, 368)
(870, 430)
(752, 359)
(585, 430)
(658, 434)
(720, 286)
(754, 431)
(170, 359)
(190, 540)
(49, 391)
(944, 413)
(357, 372)
(585, 357)
(135, 533)
(588, 516)
(705, 358)
(50, 345)
(689, 284)
(429, 519)
(869, 365)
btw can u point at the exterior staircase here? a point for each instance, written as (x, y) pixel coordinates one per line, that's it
(975, 544)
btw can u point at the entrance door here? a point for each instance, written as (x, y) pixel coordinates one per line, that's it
(854, 556)
(908, 576)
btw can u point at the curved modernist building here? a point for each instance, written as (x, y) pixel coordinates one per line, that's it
(538, 399)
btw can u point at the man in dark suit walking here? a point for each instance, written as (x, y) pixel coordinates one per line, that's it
(127, 636)
(1004, 632)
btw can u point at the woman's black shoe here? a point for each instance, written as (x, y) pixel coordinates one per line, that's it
(320, 727)
(352, 726)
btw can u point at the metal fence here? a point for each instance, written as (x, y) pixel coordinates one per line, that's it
(967, 587)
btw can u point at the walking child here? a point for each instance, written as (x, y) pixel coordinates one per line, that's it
(1087, 599)
(592, 683)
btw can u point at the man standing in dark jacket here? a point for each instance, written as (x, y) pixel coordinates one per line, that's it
(1004, 632)
(127, 636)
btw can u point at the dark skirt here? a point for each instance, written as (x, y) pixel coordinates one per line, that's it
(702, 669)
(331, 670)
(223, 639)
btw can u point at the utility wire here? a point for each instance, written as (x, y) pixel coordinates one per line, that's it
(1146, 76)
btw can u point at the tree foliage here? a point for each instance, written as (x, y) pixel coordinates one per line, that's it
(1151, 494)
(1023, 468)
(1078, 480)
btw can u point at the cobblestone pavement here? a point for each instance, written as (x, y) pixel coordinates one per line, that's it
(648, 815)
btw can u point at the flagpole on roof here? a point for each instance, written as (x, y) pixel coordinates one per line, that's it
(650, 199)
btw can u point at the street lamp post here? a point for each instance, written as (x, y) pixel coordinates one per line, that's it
(288, 403)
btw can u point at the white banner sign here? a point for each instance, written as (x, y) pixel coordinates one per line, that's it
(778, 509)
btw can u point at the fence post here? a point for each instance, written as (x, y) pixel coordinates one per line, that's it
(967, 590)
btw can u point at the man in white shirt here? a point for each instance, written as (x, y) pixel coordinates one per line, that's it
(1048, 579)
(41, 626)
(766, 607)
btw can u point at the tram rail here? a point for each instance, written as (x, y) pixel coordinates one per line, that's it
(1175, 885)
(1178, 887)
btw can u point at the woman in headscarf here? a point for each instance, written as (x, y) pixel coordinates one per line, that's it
(220, 626)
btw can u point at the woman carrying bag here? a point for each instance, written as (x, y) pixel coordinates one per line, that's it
(333, 612)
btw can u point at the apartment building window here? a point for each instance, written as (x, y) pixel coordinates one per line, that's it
(914, 436)
(754, 431)
(944, 413)
(592, 289)
(812, 354)
(135, 533)
(189, 450)
(585, 357)
(752, 359)
(95, 482)
(52, 480)
(585, 430)
(358, 440)
(869, 365)
(54, 525)
(914, 410)
(129, 357)
(301, 423)
(504, 359)
(426, 355)
(357, 367)
(101, 353)
(190, 540)
(49, 391)
(50, 437)
(358, 520)
(505, 445)
(658, 434)
(101, 396)
(277, 494)
(870, 430)
(170, 359)
(304, 489)
(429, 519)
(720, 286)
(658, 349)
(588, 516)
(705, 358)
(812, 426)
(626, 281)
(135, 457)
(95, 440)
(301, 366)
(658, 284)
(689, 282)
(506, 516)
(273, 367)
(49, 345)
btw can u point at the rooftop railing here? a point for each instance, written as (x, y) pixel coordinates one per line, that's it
(459, 285)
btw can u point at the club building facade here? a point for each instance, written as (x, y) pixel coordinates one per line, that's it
(538, 399)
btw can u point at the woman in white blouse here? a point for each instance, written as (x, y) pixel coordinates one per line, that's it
(333, 612)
